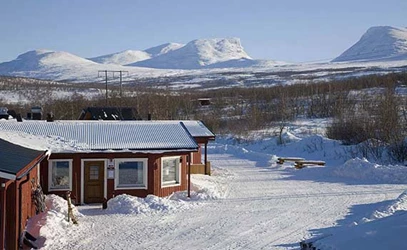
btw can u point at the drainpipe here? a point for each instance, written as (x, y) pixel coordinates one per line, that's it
(189, 175)
(20, 200)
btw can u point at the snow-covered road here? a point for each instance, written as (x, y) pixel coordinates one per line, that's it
(264, 207)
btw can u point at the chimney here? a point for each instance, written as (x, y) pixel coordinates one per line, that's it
(50, 117)
(18, 117)
(149, 117)
(36, 113)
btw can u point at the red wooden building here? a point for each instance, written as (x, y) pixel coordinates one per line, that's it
(19, 175)
(97, 160)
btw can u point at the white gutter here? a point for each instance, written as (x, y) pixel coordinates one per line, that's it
(7, 176)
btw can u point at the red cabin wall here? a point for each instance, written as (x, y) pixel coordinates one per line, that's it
(12, 207)
(28, 206)
(154, 174)
(196, 156)
(11, 217)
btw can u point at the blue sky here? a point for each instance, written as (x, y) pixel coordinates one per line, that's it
(290, 30)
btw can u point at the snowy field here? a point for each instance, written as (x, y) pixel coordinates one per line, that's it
(250, 202)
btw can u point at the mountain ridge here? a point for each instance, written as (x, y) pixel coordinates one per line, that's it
(198, 54)
(132, 56)
(378, 43)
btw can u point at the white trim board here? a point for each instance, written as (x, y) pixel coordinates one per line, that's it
(50, 189)
(7, 176)
(117, 161)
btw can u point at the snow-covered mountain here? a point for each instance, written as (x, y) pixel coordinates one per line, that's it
(40, 59)
(132, 56)
(163, 49)
(59, 65)
(199, 54)
(378, 43)
(122, 58)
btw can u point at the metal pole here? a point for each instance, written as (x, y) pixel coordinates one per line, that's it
(121, 102)
(120, 84)
(206, 158)
(106, 85)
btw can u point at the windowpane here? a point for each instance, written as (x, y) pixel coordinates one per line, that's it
(131, 173)
(60, 175)
(94, 173)
(170, 170)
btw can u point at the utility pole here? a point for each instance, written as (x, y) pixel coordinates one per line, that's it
(121, 78)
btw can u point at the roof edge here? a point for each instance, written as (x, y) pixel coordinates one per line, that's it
(7, 176)
(189, 134)
(32, 164)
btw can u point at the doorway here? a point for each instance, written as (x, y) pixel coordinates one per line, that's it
(94, 179)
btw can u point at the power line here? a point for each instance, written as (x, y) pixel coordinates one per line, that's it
(121, 77)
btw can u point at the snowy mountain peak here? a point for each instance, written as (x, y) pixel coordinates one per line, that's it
(133, 56)
(46, 64)
(122, 58)
(219, 50)
(34, 53)
(39, 59)
(378, 43)
(163, 49)
(199, 53)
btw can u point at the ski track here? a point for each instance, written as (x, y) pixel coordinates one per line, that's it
(262, 210)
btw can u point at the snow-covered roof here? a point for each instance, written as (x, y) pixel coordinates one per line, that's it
(14, 158)
(135, 136)
(198, 129)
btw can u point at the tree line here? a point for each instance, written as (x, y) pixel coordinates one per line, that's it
(369, 108)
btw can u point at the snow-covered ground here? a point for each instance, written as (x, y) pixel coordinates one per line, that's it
(250, 202)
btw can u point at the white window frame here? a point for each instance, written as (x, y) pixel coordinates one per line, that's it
(50, 188)
(117, 162)
(177, 172)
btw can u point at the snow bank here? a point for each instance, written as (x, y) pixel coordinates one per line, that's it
(385, 229)
(266, 151)
(204, 187)
(400, 204)
(56, 218)
(127, 204)
(362, 169)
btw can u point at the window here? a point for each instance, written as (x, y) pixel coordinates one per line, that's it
(60, 174)
(131, 173)
(94, 173)
(170, 171)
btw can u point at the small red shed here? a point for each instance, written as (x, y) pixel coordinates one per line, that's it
(19, 176)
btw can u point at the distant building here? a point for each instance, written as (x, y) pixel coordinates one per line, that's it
(109, 113)
(204, 101)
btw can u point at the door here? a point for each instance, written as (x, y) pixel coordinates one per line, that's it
(94, 181)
